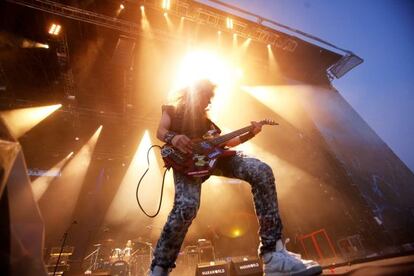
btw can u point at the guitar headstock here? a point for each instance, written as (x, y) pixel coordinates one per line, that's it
(268, 122)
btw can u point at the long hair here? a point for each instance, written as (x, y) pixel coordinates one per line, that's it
(192, 114)
(189, 98)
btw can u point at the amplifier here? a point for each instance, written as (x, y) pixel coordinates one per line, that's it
(219, 268)
(246, 267)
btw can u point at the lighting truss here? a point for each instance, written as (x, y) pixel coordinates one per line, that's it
(196, 13)
(201, 14)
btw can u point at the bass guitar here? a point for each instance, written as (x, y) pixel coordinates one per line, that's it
(206, 152)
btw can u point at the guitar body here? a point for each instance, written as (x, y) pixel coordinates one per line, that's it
(200, 163)
(206, 153)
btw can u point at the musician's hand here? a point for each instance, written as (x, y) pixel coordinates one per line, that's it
(257, 127)
(183, 143)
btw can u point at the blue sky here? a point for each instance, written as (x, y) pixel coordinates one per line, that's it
(381, 32)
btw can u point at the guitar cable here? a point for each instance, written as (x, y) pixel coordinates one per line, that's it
(139, 183)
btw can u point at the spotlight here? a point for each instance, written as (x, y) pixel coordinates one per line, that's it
(122, 6)
(236, 233)
(142, 8)
(269, 46)
(26, 43)
(166, 4)
(229, 23)
(54, 29)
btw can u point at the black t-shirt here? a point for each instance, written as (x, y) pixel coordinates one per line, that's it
(190, 124)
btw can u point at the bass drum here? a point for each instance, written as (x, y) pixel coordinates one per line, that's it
(120, 268)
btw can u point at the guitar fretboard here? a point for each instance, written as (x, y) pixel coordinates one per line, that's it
(226, 137)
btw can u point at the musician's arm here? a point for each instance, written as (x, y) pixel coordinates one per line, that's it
(257, 127)
(233, 142)
(180, 141)
(163, 126)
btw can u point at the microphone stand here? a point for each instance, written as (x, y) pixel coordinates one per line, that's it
(65, 235)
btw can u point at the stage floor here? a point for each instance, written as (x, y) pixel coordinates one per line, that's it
(391, 266)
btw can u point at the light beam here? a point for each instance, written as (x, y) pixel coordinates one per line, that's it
(20, 121)
(40, 185)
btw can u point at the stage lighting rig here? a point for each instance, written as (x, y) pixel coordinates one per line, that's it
(55, 29)
(229, 23)
(166, 4)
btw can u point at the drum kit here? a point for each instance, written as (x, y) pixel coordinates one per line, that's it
(132, 259)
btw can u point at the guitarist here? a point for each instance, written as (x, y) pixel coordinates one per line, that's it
(188, 120)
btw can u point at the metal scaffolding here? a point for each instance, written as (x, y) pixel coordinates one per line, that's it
(200, 14)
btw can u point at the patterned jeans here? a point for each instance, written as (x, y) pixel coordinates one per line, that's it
(187, 202)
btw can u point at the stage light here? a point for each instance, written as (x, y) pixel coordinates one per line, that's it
(20, 121)
(235, 42)
(166, 4)
(142, 8)
(202, 64)
(32, 44)
(145, 25)
(219, 32)
(180, 26)
(59, 209)
(273, 66)
(236, 233)
(169, 23)
(229, 23)
(282, 99)
(244, 46)
(40, 185)
(123, 206)
(55, 29)
(120, 9)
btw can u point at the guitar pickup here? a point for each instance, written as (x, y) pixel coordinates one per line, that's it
(214, 153)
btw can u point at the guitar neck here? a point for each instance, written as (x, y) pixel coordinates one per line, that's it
(226, 137)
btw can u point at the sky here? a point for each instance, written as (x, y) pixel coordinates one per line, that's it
(381, 89)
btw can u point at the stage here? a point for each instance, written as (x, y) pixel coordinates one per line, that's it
(82, 91)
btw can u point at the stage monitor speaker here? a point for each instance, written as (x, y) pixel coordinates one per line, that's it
(246, 267)
(219, 268)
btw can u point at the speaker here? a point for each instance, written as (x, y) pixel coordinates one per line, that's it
(246, 267)
(219, 268)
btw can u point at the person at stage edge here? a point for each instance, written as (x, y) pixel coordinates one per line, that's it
(186, 120)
